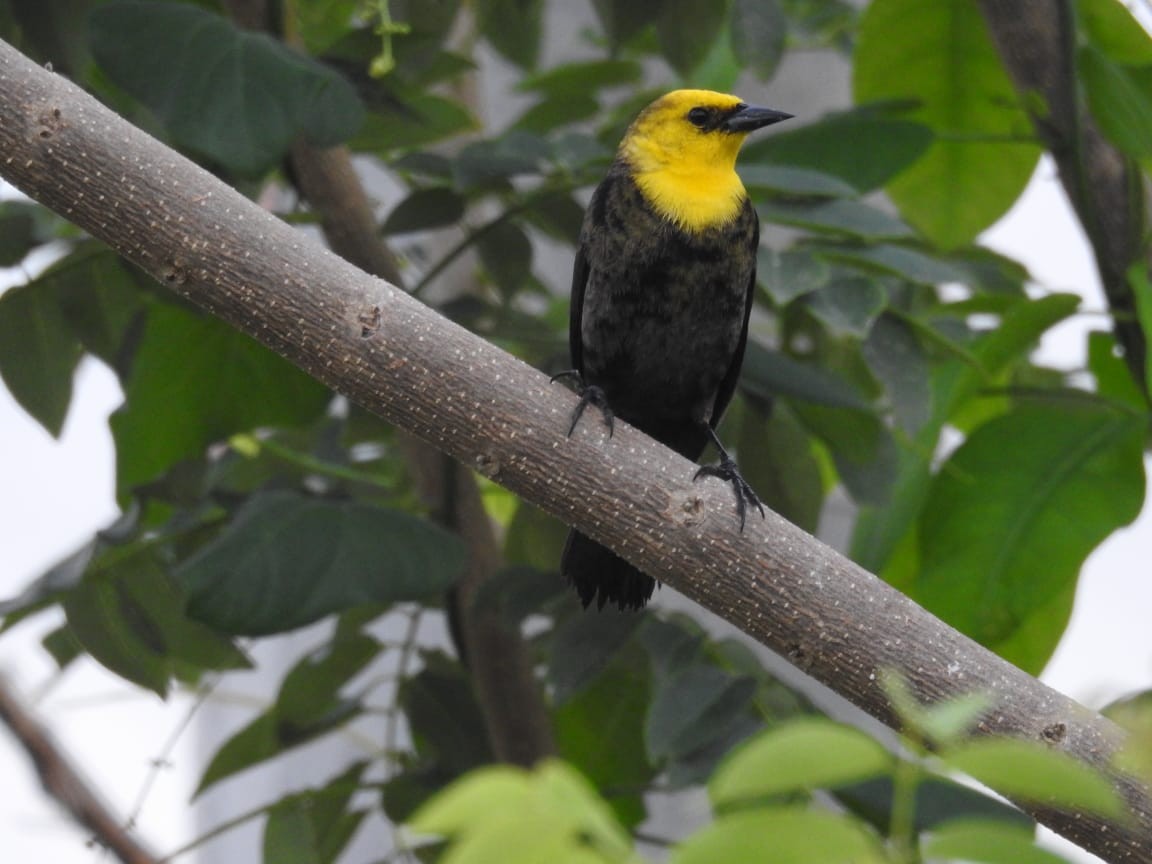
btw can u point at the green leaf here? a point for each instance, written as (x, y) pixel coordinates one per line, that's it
(1031, 772)
(883, 145)
(776, 458)
(686, 30)
(1142, 292)
(790, 180)
(692, 708)
(601, 729)
(518, 152)
(447, 726)
(1014, 512)
(408, 123)
(862, 446)
(514, 27)
(311, 687)
(768, 373)
(19, 231)
(939, 54)
(1120, 100)
(286, 560)
(799, 755)
(578, 79)
(794, 835)
(897, 359)
(758, 30)
(253, 95)
(1111, 27)
(196, 381)
(582, 647)
(470, 800)
(938, 800)
(506, 253)
(101, 301)
(314, 826)
(1113, 380)
(838, 216)
(38, 353)
(984, 841)
(889, 258)
(424, 209)
(790, 274)
(623, 19)
(848, 306)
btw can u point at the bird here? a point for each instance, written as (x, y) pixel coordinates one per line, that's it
(662, 287)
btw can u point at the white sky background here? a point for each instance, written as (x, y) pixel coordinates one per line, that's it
(55, 494)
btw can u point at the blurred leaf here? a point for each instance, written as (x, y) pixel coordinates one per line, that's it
(798, 755)
(195, 381)
(19, 231)
(1032, 772)
(582, 647)
(938, 53)
(101, 301)
(776, 458)
(758, 30)
(768, 373)
(991, 842)
(1113, 380)
(412, 123)
(897, 359)
(1012, 515)
(424, 209)
(312, 686)
(790, 180)
(578, 79)
(692, 708)
(514, 27)
(286, 560)
(38, 353)
(601, 729)
(797, 836)
(847, 306)
(1120, 100)
(938, 801)
(862, 447)
(518, 152)
(62, 645)
(446, 723)
(903, 261)
(883, 145)
(623, 19)
(1141, 288)
(686, 30)
(506, 254)
(1134, 715)
(837, 216)
(253, 94)
(1111, 27)
(672, 644)
(314, 826)
(790, 274)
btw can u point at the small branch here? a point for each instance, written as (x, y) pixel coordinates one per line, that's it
(494, 413)
(64, 784)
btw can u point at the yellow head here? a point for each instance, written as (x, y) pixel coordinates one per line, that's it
(681, 150)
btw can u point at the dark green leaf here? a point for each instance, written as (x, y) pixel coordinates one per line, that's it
(446, 723)
(313, 827)
(758, 31)
(789, 180)
(897, 359)
(311, 688)
(253, 94)
(552, 113)
(514, 27)
(18, 231)
(196, 381)
(425, 208)
(768, 373)
(940, 56)
(518, 152)
(882, 146)
(286, 560)
(601, 729)
(847, 306)
(101, 301)
(583, 645)
(862, 447)
(1014, 512)
(38, 353)
(693, 708)
(903, 261)
(1120, 100)
(415, 123)
(507, 255)
(838, 216)
(790, 274)
(776, 458)
(1113, 379)
(63, 645)
(623, 19)
(578, 79)
(938, 800)
(672, 644)
(686, 29)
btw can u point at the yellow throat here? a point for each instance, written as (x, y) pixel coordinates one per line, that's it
(688, 175)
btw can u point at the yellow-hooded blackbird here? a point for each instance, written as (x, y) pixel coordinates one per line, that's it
(661, 291)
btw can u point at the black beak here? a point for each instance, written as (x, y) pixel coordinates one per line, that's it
(748, 118)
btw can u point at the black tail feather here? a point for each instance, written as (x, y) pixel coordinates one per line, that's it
(599, 574)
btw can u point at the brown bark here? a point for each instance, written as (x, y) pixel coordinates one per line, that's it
(495, 414)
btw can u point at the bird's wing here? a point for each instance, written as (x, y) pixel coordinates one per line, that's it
(728, 384)
(576, 310)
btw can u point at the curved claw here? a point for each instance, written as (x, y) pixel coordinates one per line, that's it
(590, 394)
(728, 471)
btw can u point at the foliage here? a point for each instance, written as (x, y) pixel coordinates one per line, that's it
(256, 502)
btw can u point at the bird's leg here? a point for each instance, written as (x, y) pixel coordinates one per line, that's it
(590, 394)
(727, 470)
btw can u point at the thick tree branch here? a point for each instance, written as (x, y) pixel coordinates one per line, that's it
(492, 412)
(1037, 41)
(64, 784)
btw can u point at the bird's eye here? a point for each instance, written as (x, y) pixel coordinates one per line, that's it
(699, 117)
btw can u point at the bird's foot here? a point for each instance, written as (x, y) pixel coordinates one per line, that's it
(728, 471)
(590, 394)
